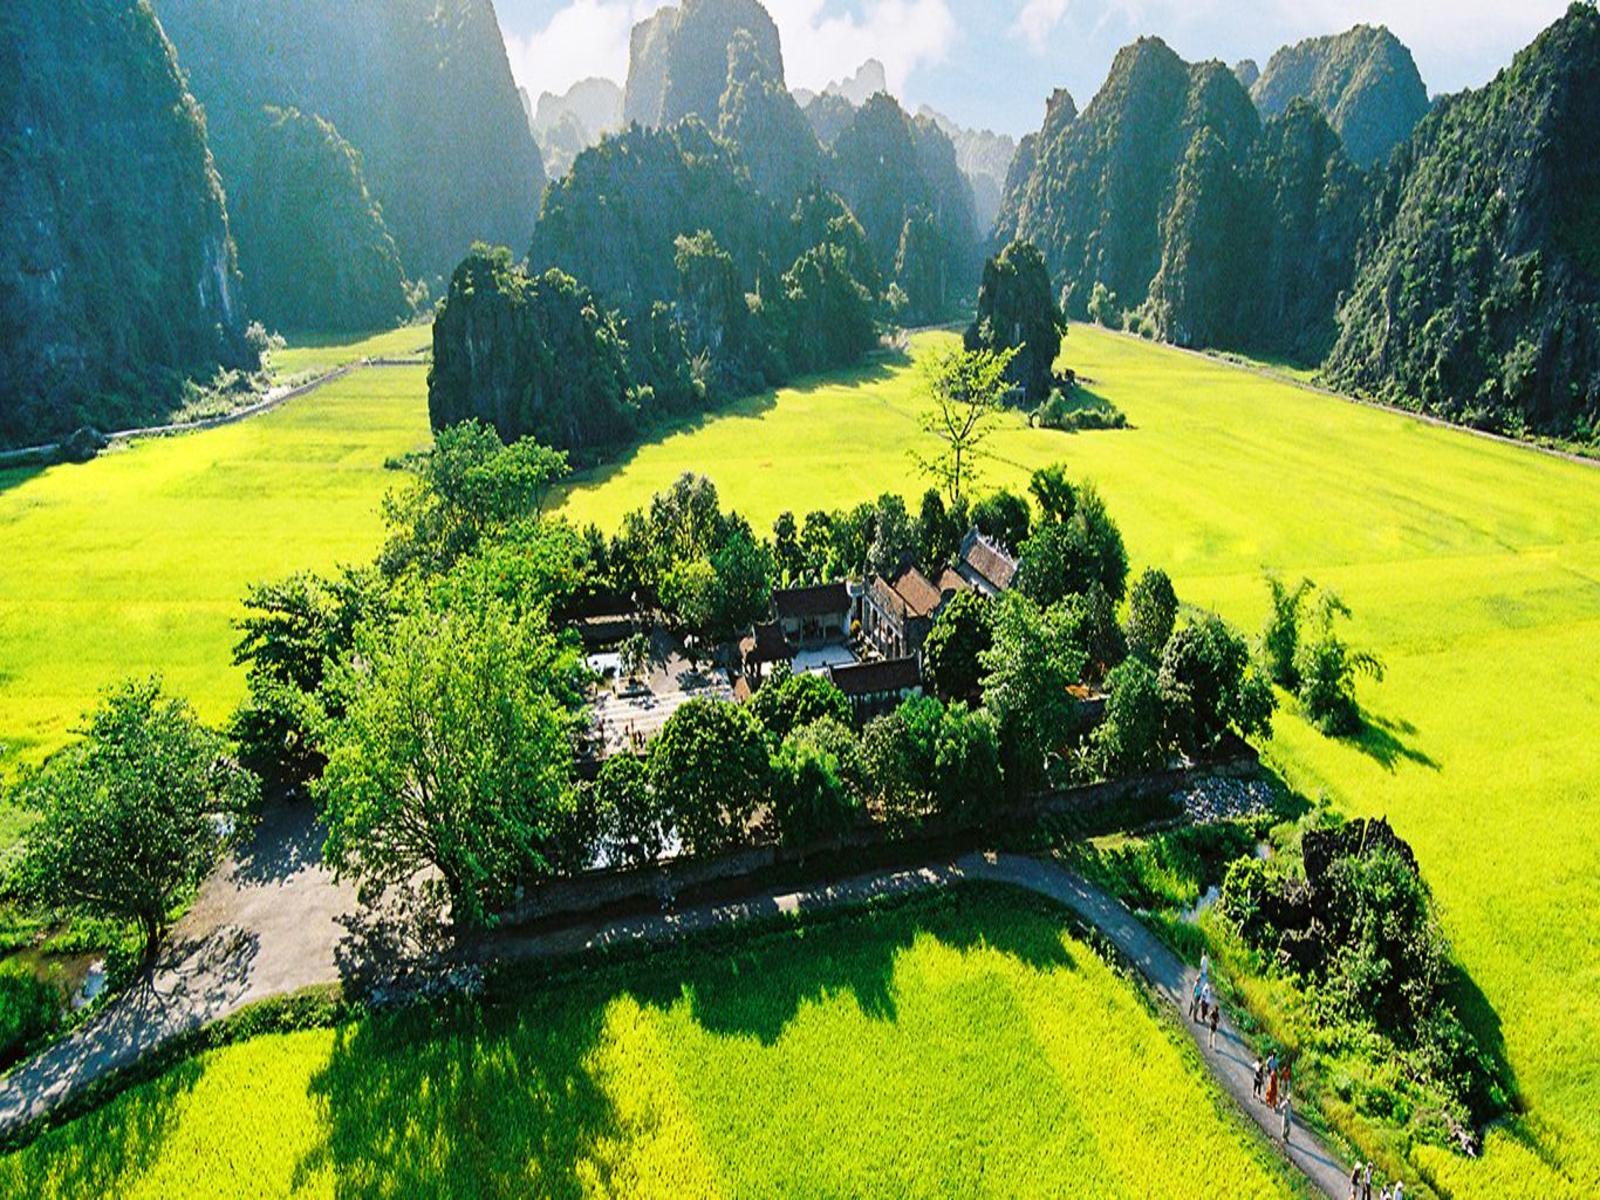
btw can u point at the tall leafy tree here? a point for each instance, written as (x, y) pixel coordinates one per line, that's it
(1032, 662)
(965, 387)
(455, 754)
(1327, 669)
(1152, 614)
(134, 814)
(709, 767)
(1210, 686)
(953, 649)
(468, 486)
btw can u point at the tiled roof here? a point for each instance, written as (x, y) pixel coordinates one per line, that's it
(766, 645)
(921, 597)
(988, 560)
(950, 581)
(823, 600)
(877, 678)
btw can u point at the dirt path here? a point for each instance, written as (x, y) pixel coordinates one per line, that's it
(274, 921)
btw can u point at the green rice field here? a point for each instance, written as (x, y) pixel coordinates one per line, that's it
(136, 562)
(1473, 568)
(958, 1045)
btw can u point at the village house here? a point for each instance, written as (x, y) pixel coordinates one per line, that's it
(897, 614)
(984, 565)
(875, 688)
(812, 616)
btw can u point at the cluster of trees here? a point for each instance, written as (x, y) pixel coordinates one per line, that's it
(1315, 663)
(1350, 916)
(543, 356)
(1435, 259)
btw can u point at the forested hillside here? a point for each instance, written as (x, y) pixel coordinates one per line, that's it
(421, 88)
(117, 270)
(737, 160)
(1478, 290)
(1466, 262)
(1098, 186)
(1364, 81)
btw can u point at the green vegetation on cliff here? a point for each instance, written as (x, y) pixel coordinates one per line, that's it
(1363, 80)
(422, 88)
(117, 269)
(313, 246)
(1477, 295)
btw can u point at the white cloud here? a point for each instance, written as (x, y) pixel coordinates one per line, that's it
(590, 37)
(820, 46)
(1038, 20)
(583, 39)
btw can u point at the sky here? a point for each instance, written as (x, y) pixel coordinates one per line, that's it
(993, 63)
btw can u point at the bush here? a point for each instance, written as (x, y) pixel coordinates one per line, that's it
(786, 702)
(29, 1009)
(809, 798)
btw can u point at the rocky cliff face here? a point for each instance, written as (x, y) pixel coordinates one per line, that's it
(1364, 81)
(678, 59)
(313, 246)
(1098, 187)
(1477, 295)
(422, 88)
(117, 271)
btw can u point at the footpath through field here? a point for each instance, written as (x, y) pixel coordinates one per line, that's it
(274, 921)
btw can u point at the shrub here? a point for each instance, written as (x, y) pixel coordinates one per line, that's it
(29, 1009)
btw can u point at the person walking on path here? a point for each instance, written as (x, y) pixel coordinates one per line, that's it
(1288, 1120)
(1205, 965)
(1272, 1082)
(1366, 1182)
(1256, 1080)
(1399, 1190)
(1194, 1000)
(1288, 1078)
(1355, 1181)
(1214, 1011)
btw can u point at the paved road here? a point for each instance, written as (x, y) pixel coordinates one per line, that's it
(274, 921)
(268, 923)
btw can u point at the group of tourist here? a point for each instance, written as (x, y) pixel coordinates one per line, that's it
(1203, 1008)
(1274, 1082)
(1361, 1185)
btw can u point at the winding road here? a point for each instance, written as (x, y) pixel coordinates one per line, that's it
(273, 921)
